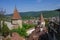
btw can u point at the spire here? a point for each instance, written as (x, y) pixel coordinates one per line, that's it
(41, 18)
(16, 14)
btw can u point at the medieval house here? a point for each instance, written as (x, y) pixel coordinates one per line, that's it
(16, 20)
(40, 30)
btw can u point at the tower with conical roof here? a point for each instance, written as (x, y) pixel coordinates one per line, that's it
(41, 20)
(16, 19)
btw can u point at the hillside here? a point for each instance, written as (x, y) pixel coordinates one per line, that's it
(28, 15)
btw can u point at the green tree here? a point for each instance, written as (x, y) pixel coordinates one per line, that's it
(2, 17)
(28, 26)
(5, 30)
(20, 31)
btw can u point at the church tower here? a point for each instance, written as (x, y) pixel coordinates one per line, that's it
(41, 20)
(16, 19)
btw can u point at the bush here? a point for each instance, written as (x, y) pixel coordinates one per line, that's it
(5, 30)
(28, 26)
(20, 31)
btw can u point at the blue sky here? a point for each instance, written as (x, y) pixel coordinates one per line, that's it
(29, 5)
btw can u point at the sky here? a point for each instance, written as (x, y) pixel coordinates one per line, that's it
(29, 5)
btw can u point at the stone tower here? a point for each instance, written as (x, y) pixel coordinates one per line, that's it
(16, 19)
(41, 20)
(41, 23)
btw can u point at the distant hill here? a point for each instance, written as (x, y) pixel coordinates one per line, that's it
(28, 15)
(57, 10)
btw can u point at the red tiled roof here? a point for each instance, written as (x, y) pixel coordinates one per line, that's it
(16, 14)
(41, 18)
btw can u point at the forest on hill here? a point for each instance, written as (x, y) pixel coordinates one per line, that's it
(35, 14)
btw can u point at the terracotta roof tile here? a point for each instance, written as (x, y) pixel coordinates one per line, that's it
(41, 18)
(16, 14)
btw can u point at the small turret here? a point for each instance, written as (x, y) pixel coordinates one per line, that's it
(41, 21)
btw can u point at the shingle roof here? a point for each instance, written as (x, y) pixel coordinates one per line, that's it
(41, 18)
(16, 14)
